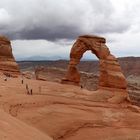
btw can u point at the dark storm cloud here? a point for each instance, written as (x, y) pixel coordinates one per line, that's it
(49, 34)
(53, 20)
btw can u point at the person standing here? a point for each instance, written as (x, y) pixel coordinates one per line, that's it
(5, 79)
(31, 92)
(27, 87)
(22, 81)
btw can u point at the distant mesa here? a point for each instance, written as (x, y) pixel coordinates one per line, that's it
(111, 77)
(8, 65)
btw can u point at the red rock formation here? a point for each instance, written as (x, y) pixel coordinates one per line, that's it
(7, 61)
(111, 76)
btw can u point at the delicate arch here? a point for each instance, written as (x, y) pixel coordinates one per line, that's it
(111, 75)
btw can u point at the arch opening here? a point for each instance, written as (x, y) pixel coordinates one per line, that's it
(89, 71)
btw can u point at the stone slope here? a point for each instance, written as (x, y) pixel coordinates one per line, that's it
(66, 112)
(13, 129)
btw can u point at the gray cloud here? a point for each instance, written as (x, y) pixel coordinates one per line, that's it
(50, 34)
(53, 20)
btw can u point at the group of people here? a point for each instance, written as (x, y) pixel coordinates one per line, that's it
(29, 91)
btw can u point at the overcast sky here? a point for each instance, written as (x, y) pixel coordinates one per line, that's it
(50, 27)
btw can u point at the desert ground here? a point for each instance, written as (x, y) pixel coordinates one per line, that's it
(57, 111)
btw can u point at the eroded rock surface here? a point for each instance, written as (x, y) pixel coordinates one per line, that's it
(63, 112)
(7, 61)
(111, 76)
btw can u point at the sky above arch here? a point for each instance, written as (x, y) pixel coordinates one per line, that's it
(48, 28)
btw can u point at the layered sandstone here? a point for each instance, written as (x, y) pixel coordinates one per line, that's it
(8, 64)
(111, 76)
(62, 112)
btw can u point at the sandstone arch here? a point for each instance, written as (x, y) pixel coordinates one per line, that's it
(111, 76)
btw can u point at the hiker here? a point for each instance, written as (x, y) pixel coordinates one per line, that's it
(22, 81)
(28, 92)
(5, 79)
(81, 87)
(27, 87)
(31, 92)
